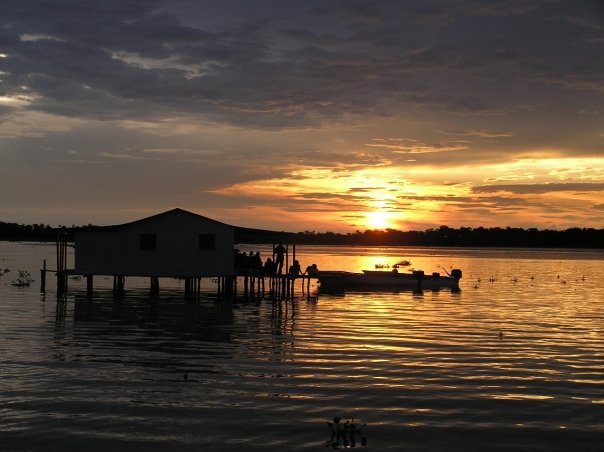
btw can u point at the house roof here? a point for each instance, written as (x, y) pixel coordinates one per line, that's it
(242, 234)
(168, 213)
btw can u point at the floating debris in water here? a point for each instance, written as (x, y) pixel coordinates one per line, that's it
(345, 435)
(23, 280)
(403, 263)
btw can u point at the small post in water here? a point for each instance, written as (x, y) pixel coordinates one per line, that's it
(43, 277)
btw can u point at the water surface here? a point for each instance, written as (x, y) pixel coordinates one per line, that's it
(426, 372)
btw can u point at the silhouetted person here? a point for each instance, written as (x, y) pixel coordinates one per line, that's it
(295, 269)
(312, 271)
(256, 261)
(293, 272)
(240, 260)
(279, 257)
(269, 267)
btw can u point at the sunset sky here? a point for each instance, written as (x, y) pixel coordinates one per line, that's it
(304, 115)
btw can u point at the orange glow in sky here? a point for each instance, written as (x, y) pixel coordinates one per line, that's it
(301, 116)
(396, 197)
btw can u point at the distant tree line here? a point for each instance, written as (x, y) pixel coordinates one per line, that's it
(442, 236)
(34, 232)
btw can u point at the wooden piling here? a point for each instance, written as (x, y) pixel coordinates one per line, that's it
(227, 287)
(119, 282)
(154, 286)
(187, 288)
(89, 284)
(61, 263)
(43, 277)
(232, 287)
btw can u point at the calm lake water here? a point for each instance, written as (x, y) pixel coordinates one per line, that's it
(424, 372)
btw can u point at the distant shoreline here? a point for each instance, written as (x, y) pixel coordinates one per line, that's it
(559, 246)
(443, 236)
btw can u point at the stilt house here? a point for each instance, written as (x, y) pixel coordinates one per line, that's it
(176, 243)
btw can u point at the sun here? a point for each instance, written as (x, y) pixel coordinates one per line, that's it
(377, 220)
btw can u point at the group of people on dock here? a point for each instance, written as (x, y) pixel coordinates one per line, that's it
(281, 282)
(273, 266)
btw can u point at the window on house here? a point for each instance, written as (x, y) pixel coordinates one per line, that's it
(207, 242)
(148, 242)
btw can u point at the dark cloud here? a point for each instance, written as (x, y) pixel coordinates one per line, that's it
(129, 59)
(524, 189)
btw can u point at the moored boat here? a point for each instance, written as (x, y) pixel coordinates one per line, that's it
(341, 281)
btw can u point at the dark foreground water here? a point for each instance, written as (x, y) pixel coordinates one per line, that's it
(425, 372)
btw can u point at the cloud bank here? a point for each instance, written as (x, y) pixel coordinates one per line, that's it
(155, 104)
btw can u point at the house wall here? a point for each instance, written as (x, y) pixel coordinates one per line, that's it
(117, 250)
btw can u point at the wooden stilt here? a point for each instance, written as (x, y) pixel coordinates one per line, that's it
(43, 277)
(61, 263)
(187, 288)
(119, 282)
(89, 284)
(154, 286)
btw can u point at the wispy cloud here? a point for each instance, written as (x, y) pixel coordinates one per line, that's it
(411, 146)
(540, 188)
(478, 133)
(111, 155)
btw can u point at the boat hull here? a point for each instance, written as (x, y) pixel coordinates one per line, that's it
(384, 280)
